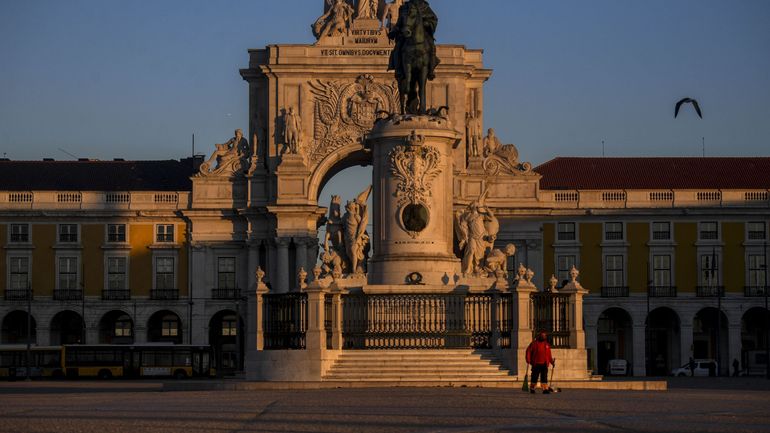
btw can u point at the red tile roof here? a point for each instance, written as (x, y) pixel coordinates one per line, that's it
(168, 175)
(655, 173)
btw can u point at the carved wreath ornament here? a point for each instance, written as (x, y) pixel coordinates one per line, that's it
(414, 166)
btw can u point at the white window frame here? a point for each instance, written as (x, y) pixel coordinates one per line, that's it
(622, 232)
(759, 269)
(107, 274)
(157, 233)
(670, 232)
(702, 267)
(748, 231)
(623, 270)
(234, 272)
(575, 232)
(559, 269)
(700, 231)
(155, 258)
(16, 255)
(10, 234)
(78, 261)
(107, 233)
(59, 233)
(669, 269)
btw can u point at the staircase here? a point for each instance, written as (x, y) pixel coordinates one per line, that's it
(456, 367)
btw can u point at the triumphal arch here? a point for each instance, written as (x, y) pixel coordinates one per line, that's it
(445, 266)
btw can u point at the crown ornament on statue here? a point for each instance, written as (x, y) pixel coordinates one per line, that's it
(415, 139)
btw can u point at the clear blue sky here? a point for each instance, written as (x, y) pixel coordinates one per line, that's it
(134, 79)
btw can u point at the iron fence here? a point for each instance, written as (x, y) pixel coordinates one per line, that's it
(17, 294)
(164, 294)
(661, 292)
(710, 291)
(116, 295)
(754, 291)
(614, 292)
(285, 321)
(328, 319)
(226, 294)
(68, 295)
(551, 313)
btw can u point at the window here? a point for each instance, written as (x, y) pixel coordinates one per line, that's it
(164, 273)
(757, 231)
(661, 231)
(613, 231)
(19, 273)
(565, 263)
(116, 232)
(566, 232)
(757, 270)
(19, 232)
(709, 230)
(226, 273)
(123, 326)
(709, 270)
(68, 233)
(116, 273)
(68, 273)
(165, 233)
(614, 270)
(661, 270)
(169, 326)
(229, 326)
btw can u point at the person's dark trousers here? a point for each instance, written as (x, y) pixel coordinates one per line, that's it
(539, 371)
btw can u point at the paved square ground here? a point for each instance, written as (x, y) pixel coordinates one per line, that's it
(141, 407)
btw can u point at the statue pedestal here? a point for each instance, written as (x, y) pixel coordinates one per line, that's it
(413, 214)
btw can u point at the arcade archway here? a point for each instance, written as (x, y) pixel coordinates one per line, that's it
(67, 327)
(754, 340)
(226, 338)
(662, 341)
(116, 327)
(710, 337)
(614, 338)
(164, 327)
(14, 328)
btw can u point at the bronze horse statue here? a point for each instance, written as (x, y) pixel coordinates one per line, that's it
(414, 56)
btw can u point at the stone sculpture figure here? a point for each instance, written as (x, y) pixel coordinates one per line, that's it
(390, 14)
(414, 57)
(491, 143)
(330, 258)
(335, 21)
(354, 224)
(473, 132)
(476, 230)
(366, 9)
(230, 157)
(497, 260)
(292, 132)
(334, 224)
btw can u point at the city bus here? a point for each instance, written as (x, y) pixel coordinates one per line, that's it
(44, 361)
(106, 361)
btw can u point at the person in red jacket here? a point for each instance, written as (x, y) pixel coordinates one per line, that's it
(539, 356)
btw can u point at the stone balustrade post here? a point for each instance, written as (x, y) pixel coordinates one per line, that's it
(257, 302)
(577, 335)
(337, 318)
(315, 337)
(521, 334)
(495, 318)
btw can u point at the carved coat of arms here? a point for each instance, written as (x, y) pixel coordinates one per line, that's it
(414, 166)
(344, 112)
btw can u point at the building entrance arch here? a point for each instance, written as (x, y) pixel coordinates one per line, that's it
(663, 341)
(710, 337)
(14, 328)
(67, 327)
(614, 338)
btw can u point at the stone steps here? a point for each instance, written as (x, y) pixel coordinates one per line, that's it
(413, 366)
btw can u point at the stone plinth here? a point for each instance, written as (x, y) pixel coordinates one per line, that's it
(412, 217)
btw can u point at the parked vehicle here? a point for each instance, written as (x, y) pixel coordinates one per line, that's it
(617, 367)
(755, 363)
(703, 368)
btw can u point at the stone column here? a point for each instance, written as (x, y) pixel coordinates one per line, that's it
(140, 333)
(43, 335)
(253, 263)
(301, 254)
(593, 345)
(734, 346)
(92, 334)
(315, 337)
(337, 319)
(685, 342)
(577, 336)
(281, 279)
(259, 312)
(639, 364)
(522, 332)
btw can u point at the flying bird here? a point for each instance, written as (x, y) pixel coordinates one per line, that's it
(688, 101)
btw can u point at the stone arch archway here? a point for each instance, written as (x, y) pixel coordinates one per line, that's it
(14, 328)
(331, 165)
(67, 327)
(226, 337)
(116, 327)
(164, 326)
(663, 328)
(710, 336)
(614, 330)
(754, 340)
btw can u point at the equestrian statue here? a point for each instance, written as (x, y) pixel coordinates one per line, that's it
(414, 57)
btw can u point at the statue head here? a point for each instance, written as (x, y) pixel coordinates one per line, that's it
(491, 132)
(238, 133)
(291, 110)
(510, 250)
(352, 207)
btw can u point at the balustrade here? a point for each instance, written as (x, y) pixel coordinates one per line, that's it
(551, 313)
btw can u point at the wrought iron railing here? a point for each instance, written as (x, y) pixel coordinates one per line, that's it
(68, 295)
(710, 291)
(164, 294)
(17, 294)
(116, 295)
(328, 319)
(661, 292)
(614, 292)
(755, 291)
(425, 321)
(285, 321)
(551, 313)
(226, 294)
